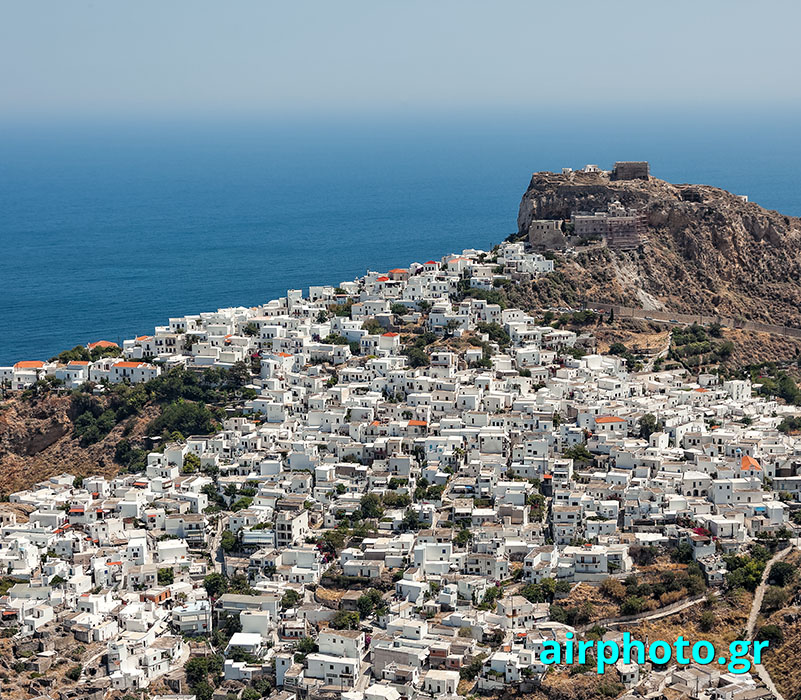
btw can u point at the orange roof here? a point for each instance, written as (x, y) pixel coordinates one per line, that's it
(130, 365)
(417, 422)
(398, 269)
(390, 335)
(29, 364)
(749, 463)
(143, 337)
(431, 262)
(383, 278)
(114, 563)
(102, 344)
(701, 390)
(77, 363)
(609, 419)
(283, 354)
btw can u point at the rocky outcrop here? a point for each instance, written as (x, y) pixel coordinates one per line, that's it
(36, 442)
(706, 250)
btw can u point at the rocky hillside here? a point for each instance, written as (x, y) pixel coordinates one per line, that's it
(37, 442)
(707, 251)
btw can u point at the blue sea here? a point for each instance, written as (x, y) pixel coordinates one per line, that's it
(109, 228)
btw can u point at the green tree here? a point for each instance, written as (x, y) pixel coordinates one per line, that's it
(632, 605)
(304, 647)
(579, 453)
(191, 463)
(345, 620)
(202, 690)
(463, 537)
(745, 572)
(215, 585)
(290, 599)
(187, 417)
(417, 356)
(371, 506)
(166, 577)
(228, 541)
(781, 573)
(648, 425)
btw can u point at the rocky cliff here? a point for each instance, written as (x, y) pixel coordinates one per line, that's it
(37, 442)
(706, 250)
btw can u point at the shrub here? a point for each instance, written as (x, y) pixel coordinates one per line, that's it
(772, 634)
(707, 620)
(613, 588)
(344, 620)
(632, 605)
(775, 598)
(185, 417)
(781, 573)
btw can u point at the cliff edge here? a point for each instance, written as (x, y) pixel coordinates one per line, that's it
(704, 250)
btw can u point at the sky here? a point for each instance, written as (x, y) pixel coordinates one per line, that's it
(109, 58)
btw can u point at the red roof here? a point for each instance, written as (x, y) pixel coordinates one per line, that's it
(383, 278)
(102, 344)
(609, 419)
(749, 463)
(29, 364)
(390, 335)
(432, 262)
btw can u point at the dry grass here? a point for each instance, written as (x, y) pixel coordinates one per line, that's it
(606, 607)
(731, 615)
(782, 662)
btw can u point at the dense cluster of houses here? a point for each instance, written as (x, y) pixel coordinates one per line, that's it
(439, 486)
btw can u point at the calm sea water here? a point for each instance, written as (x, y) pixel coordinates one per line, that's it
(108, 229)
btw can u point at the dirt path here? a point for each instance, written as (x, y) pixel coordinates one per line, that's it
(761, 671)
(760, 592)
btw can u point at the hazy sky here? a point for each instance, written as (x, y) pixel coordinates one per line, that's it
(161, 57)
